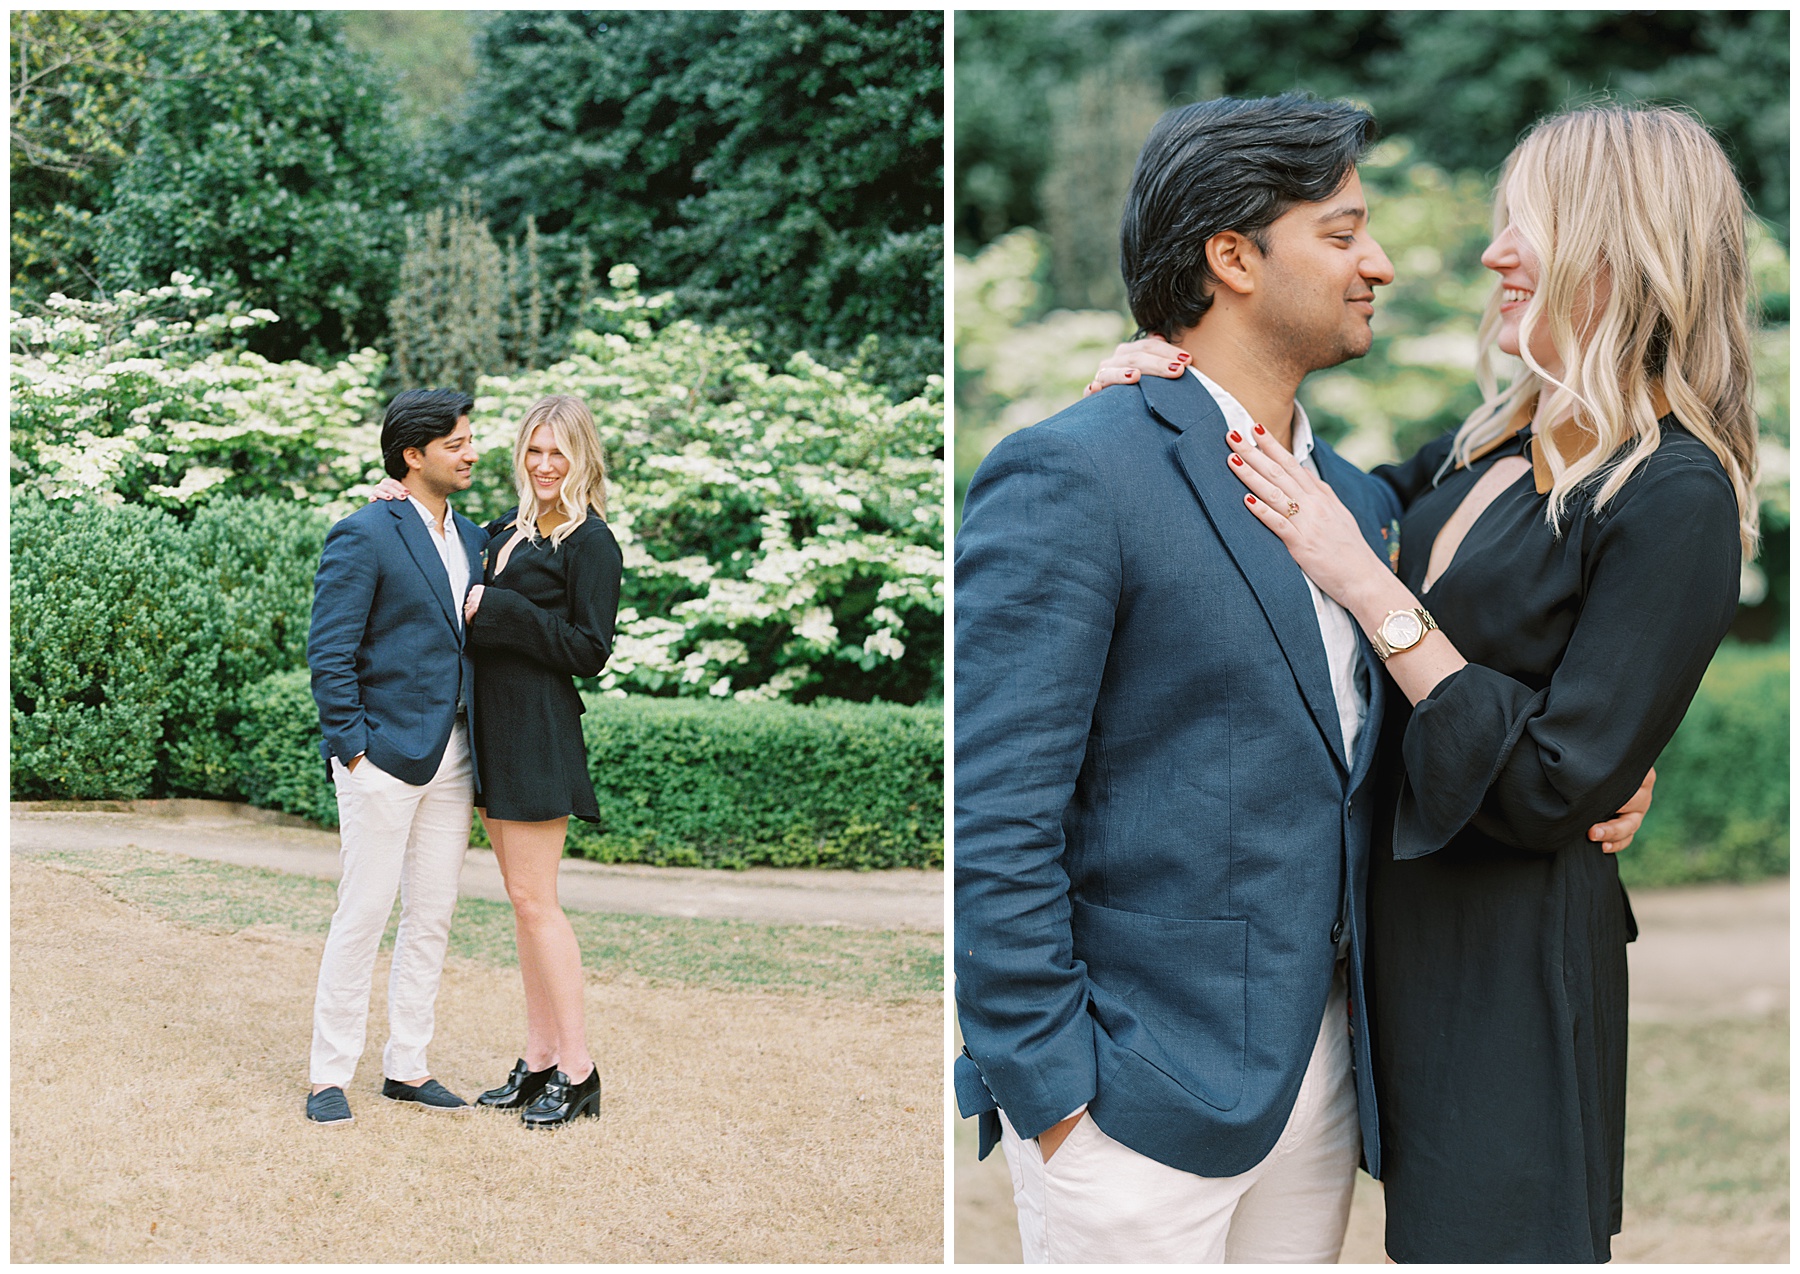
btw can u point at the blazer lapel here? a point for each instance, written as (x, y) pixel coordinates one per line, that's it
(474, 541)
(1351, 486)
(1279, 586)
(424, 553)
(475, 545)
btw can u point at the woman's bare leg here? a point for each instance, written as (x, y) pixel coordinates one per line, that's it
(533, 853)
(540, 1025)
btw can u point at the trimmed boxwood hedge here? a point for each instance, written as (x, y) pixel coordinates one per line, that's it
(134, 636)
(690, 783)
(828, 784)
(1721, 807)
(98, 639)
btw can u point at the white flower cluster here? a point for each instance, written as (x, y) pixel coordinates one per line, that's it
(127, 399)
(773, 524)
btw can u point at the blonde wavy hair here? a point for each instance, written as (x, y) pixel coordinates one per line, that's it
(1637, 221)
(584, 488)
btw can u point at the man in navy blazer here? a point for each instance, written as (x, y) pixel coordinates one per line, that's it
(392, 676)
(1164, 736)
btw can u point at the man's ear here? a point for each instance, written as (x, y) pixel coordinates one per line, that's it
(414, 458)
(1234, 259)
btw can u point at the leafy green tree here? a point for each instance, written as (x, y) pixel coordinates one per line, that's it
(270, 164)
(430, 54)
(781, 171)
(76, 76)
(1462, 84)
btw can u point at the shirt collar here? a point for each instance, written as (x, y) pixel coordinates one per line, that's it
(1238, 418)
(449, 515)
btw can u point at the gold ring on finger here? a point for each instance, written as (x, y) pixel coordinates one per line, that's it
(1292, 508)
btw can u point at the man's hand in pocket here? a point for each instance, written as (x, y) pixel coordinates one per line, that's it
(1057, 1133)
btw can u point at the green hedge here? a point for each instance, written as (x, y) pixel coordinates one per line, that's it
(1721, 807)
(135, 636)
(830, 784)
(690, 783)
(98, 599)
(281, 768)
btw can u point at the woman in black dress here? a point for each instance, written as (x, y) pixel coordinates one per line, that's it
(1568, 564)
(543, 615)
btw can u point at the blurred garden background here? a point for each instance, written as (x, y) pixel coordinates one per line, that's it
(236, 234)
(1053, 107)
(1051, 110)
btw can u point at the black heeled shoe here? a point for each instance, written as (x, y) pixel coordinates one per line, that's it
(562, 1101)
(520, 1089)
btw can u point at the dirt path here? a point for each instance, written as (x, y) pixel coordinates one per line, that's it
(1709, 953)
(226, 832)
(157, 1083)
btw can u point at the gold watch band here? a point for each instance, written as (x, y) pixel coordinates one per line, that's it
(1379, 641)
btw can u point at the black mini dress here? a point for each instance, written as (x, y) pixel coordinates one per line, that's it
(1497, 975)
(543, 620)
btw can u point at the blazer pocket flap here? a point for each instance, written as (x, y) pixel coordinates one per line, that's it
(1172, 991)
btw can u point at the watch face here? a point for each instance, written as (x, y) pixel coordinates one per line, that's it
(1402, 630)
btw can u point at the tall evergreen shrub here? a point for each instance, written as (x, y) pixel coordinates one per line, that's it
(101, 603)
(253, 562)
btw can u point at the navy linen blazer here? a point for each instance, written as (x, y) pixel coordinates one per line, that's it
(386, 645)
(1156, 824)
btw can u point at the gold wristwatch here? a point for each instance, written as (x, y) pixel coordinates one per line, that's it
(1401, 630)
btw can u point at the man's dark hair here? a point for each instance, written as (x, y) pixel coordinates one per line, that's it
(1227, 164)
(416, 417)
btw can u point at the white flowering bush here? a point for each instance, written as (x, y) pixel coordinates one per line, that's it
(782, 531)
(142, 399)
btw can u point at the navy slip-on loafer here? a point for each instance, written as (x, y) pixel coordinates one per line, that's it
(430, 1095)
(329, 1106)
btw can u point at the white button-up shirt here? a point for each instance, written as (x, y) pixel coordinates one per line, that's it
(1335, 625)
(450, 549)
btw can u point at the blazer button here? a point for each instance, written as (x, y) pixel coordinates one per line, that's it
(1337, 931)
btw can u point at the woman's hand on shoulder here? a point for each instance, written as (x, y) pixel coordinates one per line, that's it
(390, 489)
(1151, 356)
(1306, 516)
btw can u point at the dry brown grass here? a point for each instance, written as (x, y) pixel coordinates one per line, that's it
(158, 1075)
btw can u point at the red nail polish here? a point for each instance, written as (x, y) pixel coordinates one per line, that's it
(1237, 460)
(1261, 430)
(1183, 356)
(1234, 436)
(1249, 499)
(1129, 374)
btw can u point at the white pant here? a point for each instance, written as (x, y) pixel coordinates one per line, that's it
(1098, 1201)
(395, 836)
